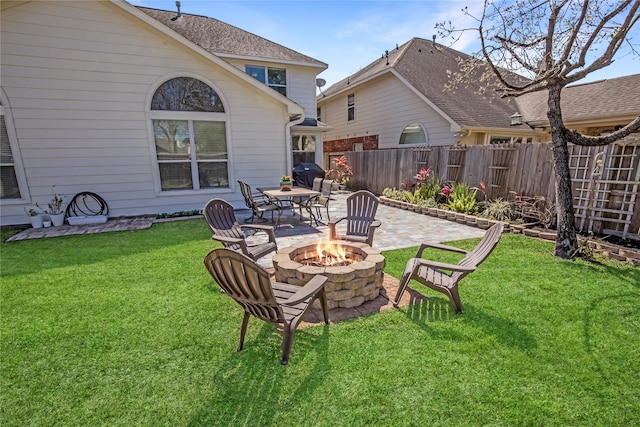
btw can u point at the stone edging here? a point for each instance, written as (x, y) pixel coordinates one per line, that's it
(628, 255)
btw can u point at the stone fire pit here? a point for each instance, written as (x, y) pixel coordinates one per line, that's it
(347, 285)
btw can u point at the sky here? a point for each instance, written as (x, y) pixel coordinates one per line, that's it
(348, 35)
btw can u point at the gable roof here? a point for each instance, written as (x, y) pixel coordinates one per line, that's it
(424, 65)
(225, 40)
(617, 97)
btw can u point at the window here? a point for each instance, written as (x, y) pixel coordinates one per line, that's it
(275, 78)
(351, 107)
(497, 139)
(8, 181)
(413, 134)
(189, 130)
(319, 114)
(304, 149)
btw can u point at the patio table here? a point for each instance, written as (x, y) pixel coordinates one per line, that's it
(296, 193)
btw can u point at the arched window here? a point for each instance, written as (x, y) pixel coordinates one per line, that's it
(413, 134)
(189, 130)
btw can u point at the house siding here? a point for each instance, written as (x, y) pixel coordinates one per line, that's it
(384, 107)
(78, 78)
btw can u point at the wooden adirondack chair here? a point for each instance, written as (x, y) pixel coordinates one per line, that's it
(278, 303)
(222, 221)
(361, 223)
(434, 274)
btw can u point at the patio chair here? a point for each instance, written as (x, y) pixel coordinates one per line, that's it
(222, 221)
(434, 274)
(259, 204)
(278, 303)
(320, 201)
(361, 223)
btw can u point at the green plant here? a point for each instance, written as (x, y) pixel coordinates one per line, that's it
(55, 203)
(33, 211)
(392, 193)
(409, 196)
(462, 199)
(342, 171)
(498, 209)
(428, 203)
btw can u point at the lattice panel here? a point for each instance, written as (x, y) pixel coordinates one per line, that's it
(605, 183)
(455, 161)
(421, 156)
(501, 158)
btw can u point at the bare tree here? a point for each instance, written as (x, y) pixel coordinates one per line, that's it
(552, 43)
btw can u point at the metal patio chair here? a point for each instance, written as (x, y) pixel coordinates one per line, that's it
(259, 204)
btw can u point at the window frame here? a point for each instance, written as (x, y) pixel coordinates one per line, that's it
(190, 117)
(415, 144)
(293, 151)
(351, 107)
(494, 139)
(17, 164)
(266, 70)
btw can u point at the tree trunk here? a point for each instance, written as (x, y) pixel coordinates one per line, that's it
(566, 241)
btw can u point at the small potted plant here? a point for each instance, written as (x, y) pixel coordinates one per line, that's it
(56, 213)
(342, 173)
(35, 216)
(286, 183)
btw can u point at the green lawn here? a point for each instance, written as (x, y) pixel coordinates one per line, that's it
(128, 329)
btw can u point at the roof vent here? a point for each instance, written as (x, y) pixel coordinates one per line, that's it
(179, 13)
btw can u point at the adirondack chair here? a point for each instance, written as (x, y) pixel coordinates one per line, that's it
(278, 303)
(259, 204)
(361, 223)
(222, 221)
(434, 274)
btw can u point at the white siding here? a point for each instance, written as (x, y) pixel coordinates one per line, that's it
(384, 107)
(78, 77)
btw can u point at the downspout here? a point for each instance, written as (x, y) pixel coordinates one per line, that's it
(287, 142)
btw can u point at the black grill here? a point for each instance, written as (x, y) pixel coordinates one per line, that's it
(304, 174)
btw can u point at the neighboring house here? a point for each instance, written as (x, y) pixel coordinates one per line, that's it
(154, 111)
(590, 108)
(400, 100)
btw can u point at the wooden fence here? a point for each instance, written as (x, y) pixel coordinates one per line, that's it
(606, 197)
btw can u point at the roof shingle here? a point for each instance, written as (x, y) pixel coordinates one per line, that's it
(222, 39)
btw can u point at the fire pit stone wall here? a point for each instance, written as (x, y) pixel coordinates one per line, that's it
(347, 285)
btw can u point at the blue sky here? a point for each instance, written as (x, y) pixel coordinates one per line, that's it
(348, 35)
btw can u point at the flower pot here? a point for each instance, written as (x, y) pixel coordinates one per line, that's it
(57, 220)
(285, 186)
(36, 221)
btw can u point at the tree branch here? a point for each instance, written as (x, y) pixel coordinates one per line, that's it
(592, 141)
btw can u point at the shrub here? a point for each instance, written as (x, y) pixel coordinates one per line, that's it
(498, 209)
(462, 199)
